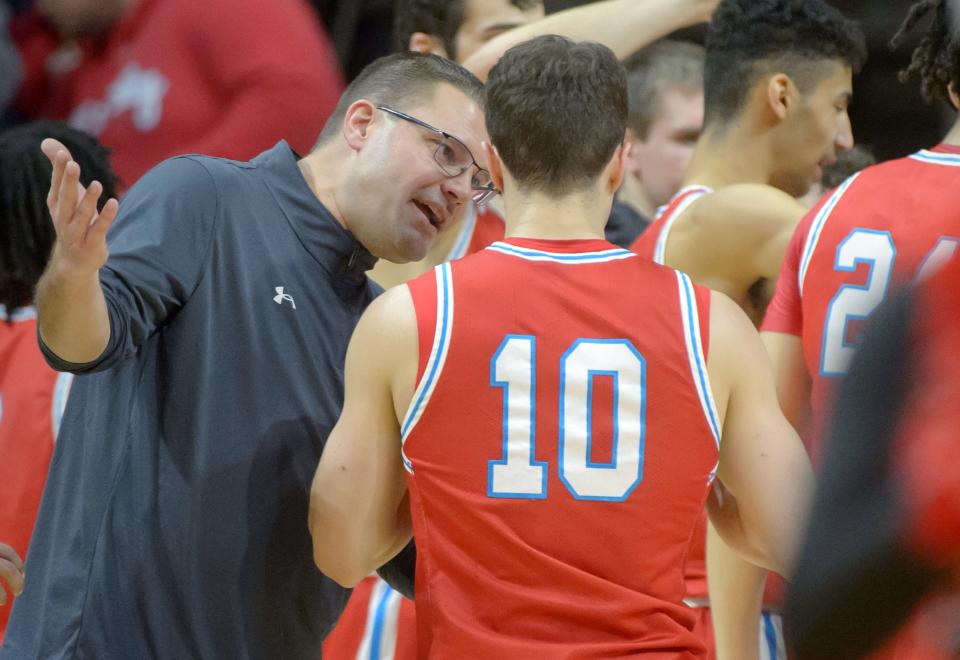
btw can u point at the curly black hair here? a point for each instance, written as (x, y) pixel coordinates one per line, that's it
(936, 58)
(751, 38)
(26, 230)
(439, 18)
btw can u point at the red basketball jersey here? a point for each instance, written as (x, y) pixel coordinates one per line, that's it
(887, 224)
(560, 445)
(652, 243)
(32, 396)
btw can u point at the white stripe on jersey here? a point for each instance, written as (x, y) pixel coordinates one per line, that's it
(380, 632)
(22, 314)
(574, 258)
(695, 193)
(698, 363)
(936, 158)
(438, 355)
(816, 228)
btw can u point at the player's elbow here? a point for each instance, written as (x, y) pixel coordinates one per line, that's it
(333, 556)
(337, 562)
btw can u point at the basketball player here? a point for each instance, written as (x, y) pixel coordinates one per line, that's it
(885, 225)
(559, 445)
(890, 223)
(777, 82)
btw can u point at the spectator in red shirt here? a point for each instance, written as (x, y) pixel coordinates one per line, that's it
(157, 78)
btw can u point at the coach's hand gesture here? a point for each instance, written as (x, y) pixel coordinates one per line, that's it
(81, 245)
(11, 572)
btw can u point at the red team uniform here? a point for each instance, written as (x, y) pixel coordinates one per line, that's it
(882, 226)
(32, 396)
(560, 447)
(652, 244)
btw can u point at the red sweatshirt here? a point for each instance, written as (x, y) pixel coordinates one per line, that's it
(219, 77)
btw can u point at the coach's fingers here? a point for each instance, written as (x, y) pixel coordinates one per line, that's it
(68, 198)
(98, 231)
(86, 212)
(58, 162)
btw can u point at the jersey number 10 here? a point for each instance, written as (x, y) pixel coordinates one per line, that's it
(518, 474)
(876, 248)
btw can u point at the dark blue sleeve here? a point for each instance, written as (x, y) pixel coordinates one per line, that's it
(159, 245)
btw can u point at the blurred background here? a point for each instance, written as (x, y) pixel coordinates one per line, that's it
(888, 117)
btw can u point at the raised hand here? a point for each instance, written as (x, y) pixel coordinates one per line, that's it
(11, 572)
(81, 245)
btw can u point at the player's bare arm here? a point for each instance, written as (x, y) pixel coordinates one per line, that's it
(791, 376)
(763, 465)
(735, 238)
(11, 572)
(359, 512)
(71, 310)
(625, 26)
(736, 598)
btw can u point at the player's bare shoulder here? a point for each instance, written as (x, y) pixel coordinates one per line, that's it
(746, 211)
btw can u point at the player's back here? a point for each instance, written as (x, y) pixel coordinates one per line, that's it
(881, 227)
(561, 445)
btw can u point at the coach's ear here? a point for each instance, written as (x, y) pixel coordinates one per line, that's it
(954, 95)
(495, 165)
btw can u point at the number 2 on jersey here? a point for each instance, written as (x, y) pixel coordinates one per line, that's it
(518, 474)
(852, 302)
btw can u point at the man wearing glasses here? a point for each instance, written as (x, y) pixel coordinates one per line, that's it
(210, 329)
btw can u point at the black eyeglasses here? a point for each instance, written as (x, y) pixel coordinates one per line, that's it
(454, 158)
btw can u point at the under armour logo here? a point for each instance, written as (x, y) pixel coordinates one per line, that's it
(281, 296)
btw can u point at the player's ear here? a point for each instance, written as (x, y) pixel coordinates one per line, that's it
(780, 94)
(495, 165)
(357, 122)
(421, 42)
(618, 167)
(954, 95)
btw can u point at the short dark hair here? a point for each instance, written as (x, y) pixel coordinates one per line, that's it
(26, 230)
(396, 79)
(556, 112)
(748, 39)
(665, 63)
(439, 18)
(936, 58)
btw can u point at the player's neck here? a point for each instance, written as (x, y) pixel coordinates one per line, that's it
(727, 157)
(953, 137)
(572, 217)
(633, 193)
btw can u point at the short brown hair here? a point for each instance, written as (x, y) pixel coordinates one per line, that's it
(556, 112)
(395, 79)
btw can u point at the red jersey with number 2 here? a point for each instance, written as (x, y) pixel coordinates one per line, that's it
(891, 222)
(560, 445)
